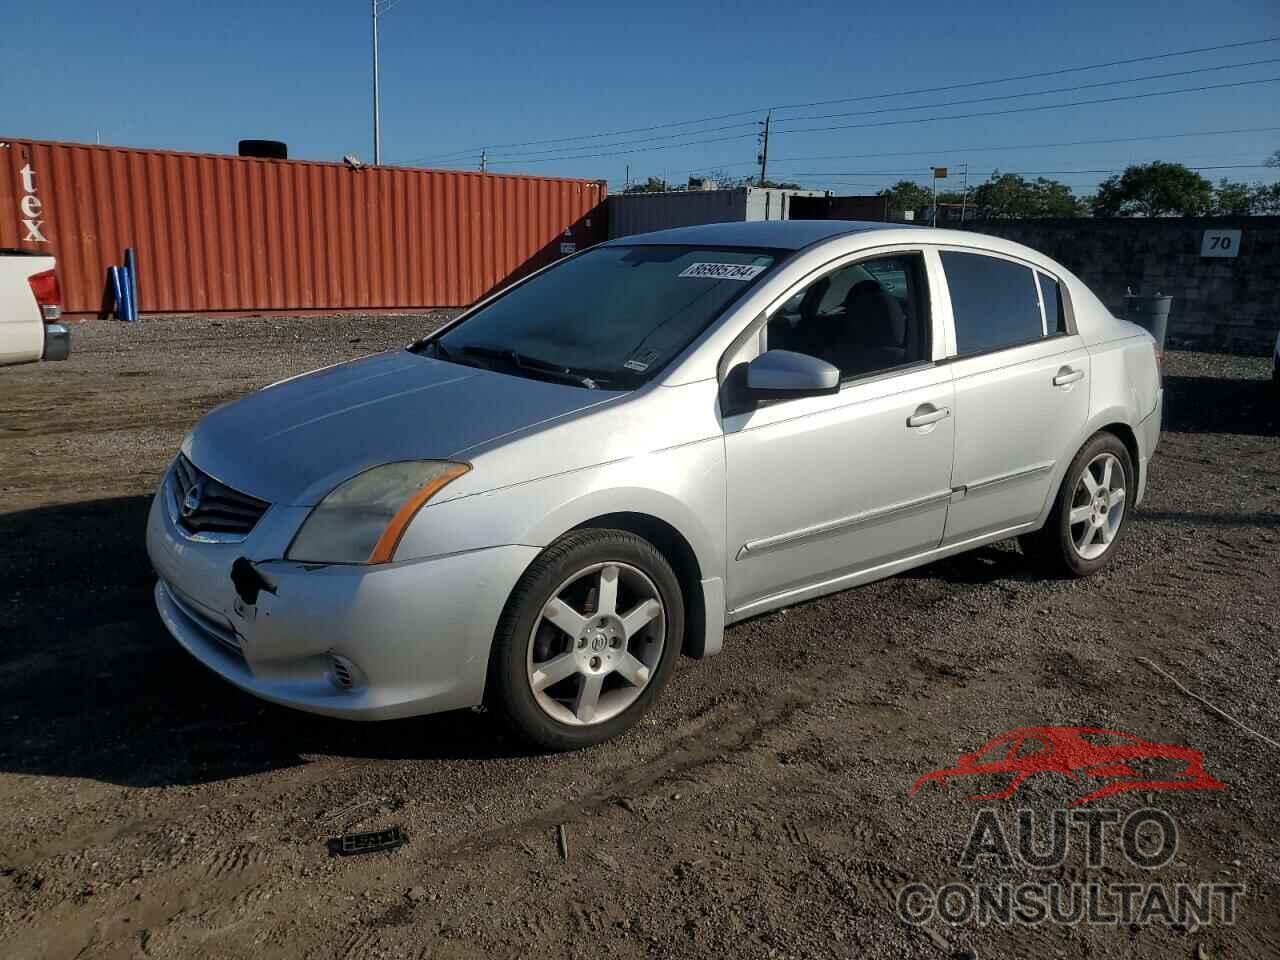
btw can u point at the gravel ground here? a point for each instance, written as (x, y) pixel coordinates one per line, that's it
(761, 810)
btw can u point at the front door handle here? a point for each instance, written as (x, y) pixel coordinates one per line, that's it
(926, 414)
(1067, 375)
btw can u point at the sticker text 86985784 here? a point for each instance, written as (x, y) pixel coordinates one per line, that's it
(722, 271)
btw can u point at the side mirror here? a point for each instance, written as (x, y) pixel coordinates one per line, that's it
(782, 373)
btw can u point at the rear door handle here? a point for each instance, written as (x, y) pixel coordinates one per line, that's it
(1067, 375)
(926, 414)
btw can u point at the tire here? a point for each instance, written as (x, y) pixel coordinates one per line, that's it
(569, 667)
(1057, 546)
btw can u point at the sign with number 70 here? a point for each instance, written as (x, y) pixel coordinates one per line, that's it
(1220, 243)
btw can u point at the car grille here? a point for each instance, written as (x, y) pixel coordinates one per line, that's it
(211, 628)
(218, 510)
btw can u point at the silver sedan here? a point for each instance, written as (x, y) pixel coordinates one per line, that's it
(544, 504)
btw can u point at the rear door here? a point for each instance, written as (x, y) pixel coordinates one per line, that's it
(1021, 377)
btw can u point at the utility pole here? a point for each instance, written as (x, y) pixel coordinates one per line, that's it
(964, 197)
(764, 151)
(484, 160)
(627, 185)
(377, 132)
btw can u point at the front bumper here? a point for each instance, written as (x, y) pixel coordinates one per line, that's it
(413, 637)
(57, 341)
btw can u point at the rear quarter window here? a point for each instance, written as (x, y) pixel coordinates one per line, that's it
(995, 302)
(1055, 317)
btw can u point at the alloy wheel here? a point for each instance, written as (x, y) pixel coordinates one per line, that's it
(596, 643)
(1097, 506)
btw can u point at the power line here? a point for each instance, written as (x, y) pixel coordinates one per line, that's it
(622, 143)
(874, 96)
(1036, 93)
(1046, 106)
(622, 153)
(557, 151)
(890, 123)
(1030, 76)
(1010, 146)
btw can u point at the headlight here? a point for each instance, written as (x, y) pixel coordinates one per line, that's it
(363, 519)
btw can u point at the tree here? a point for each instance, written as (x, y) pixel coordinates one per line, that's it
(1274, 159)
(1265, 199)
(727, 181)
(907, 195)
(1233, 199)
(652, 185)
(1154, 190)
(1009, 196)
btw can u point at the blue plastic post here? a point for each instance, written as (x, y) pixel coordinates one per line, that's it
(131, 264)
(126, 288)
(113, 277)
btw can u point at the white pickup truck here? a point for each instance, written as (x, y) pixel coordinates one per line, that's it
(30, 307)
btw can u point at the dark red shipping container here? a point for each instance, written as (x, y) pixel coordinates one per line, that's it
(226, 233)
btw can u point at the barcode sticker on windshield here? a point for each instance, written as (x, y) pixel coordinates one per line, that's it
(722, 271)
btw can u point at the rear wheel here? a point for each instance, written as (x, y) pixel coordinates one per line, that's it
(1090, 512)
(587, 641)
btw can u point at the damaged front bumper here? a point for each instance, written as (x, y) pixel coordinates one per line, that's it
(352, 641)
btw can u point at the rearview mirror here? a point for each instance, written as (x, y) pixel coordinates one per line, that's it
(784, 373)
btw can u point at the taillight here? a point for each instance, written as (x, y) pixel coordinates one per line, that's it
(48, 294)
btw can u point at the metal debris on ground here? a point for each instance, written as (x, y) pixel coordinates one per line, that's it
(372, 841)
(339, 814)
(562, 836)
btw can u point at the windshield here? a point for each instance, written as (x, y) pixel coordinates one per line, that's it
(610, 318)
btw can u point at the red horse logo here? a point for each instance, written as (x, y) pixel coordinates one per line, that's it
(1075, 752)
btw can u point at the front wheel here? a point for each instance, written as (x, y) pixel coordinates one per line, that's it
(1090, 512)
(587, 640)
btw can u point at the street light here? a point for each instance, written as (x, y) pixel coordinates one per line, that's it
(939, 173)
(379, 7)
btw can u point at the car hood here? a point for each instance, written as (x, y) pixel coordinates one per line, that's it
(294, 441)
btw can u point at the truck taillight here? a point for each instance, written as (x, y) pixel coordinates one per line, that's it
(48, 294)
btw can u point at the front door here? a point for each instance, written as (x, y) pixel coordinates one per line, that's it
(820, 488)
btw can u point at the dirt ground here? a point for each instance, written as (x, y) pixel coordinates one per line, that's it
(762, 809)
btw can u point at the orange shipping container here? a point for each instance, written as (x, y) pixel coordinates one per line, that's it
(224, 233)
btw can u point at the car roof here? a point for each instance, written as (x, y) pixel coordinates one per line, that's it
(776, 234)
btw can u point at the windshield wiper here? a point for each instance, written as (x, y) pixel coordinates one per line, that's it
(520, 361)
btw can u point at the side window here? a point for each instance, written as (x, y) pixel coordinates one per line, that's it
(995, 302)
(864, 318)
(1055, 317)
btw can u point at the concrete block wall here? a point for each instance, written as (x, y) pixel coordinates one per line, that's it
(1231, 304)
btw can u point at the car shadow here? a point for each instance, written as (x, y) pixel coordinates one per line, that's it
(91, 684)
(997, 561)
(1221, 405)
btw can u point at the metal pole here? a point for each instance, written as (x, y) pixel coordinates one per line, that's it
(934, 170)
(484, 160)
(377, 132)
(964, 197)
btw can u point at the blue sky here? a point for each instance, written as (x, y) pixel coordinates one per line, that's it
(200, 75)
